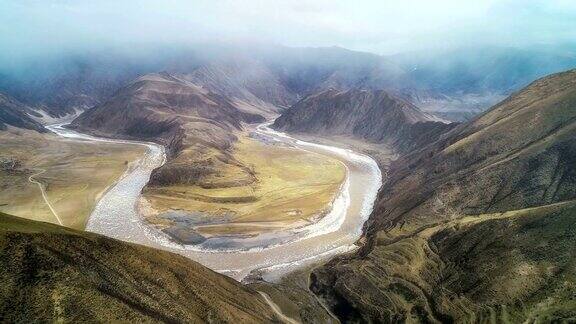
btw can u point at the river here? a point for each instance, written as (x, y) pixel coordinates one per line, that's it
(271, 256)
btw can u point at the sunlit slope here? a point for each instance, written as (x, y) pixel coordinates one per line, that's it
(478, 226)
(519, 154)
(50, 273)
(510, 267)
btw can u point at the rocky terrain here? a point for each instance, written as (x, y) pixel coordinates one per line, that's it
(195, 125)
(477, 225)
(17, 114)
(374, 116)
(50, 273)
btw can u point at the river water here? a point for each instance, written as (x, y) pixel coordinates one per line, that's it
(269, 255)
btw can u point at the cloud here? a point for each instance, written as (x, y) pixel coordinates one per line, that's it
(382, 26)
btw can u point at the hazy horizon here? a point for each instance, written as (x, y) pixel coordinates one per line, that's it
(35, 28)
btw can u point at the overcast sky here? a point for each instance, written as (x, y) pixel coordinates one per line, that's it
(379, 26)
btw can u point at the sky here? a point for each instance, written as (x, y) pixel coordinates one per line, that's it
(35, 27)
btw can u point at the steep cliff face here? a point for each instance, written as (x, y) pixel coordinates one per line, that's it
(51, 273)
(197, 126)
(16, 114)
(479, 224)
(375, 116)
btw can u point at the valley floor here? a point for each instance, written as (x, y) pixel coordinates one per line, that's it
(72, 175)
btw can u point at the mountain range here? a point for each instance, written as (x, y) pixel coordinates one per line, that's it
(455, 85)
(474, 222)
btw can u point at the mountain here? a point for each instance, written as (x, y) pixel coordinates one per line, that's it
(460, 83)
(251, 84)
(484, 69)
(518, 154)
(263, 78)
(476, 226)
(273, 78)
(16, 114)
(195, 125)
(375, 116)
(165, 102)
(65, 85)
(52, 273)
(308, 70)
(259, 78)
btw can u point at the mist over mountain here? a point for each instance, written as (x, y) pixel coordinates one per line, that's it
(383, 27)
(445, 57)
(484, 69)
(460, 83)
(454, 85)
(14, 113)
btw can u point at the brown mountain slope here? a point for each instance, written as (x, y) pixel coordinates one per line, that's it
(517, 155)
(15, 113)
(477, 226)
(197, 126)
(165, 102)
(50, 273)
(375, 116)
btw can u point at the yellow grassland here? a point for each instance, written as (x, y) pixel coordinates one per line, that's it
(73, 174)
(292, 188)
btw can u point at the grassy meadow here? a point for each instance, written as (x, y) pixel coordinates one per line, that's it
(74, 174)
(292, 187)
